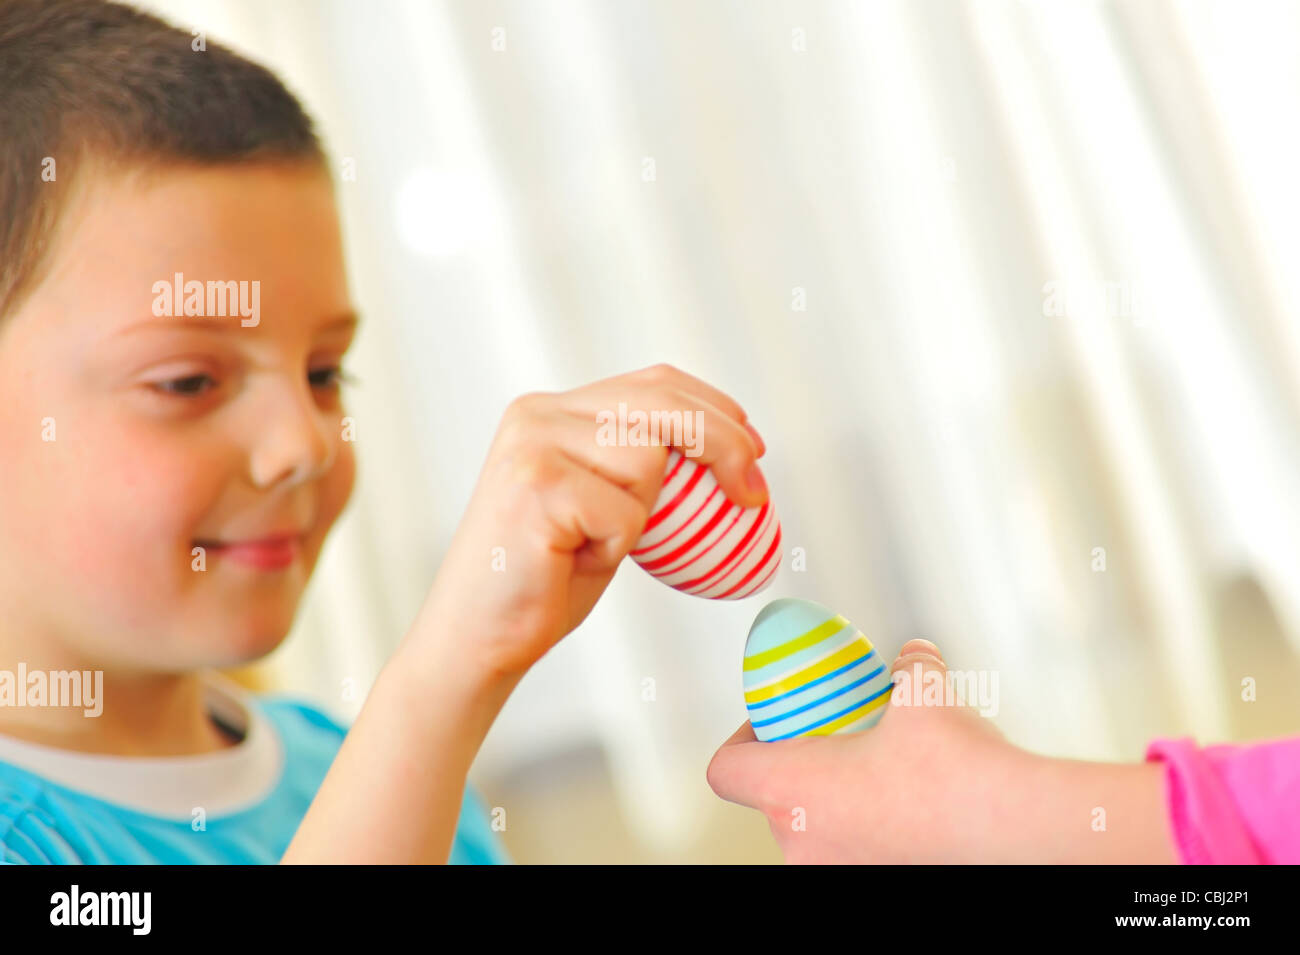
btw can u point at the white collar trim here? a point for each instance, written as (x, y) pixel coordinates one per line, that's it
(219, 783)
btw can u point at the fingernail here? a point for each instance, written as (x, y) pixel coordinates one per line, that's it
(933, 650)
(754, 480)
(758, 438)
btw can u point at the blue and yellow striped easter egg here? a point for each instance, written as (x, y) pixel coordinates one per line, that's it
(809, 672)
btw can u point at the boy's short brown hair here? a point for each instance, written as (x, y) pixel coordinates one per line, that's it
(88, 81)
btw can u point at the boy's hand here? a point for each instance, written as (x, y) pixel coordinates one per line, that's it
(554, 512)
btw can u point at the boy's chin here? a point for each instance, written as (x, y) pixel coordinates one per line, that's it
(246, 639)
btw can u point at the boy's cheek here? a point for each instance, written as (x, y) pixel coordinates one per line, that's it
(121, 543)
(339, 483)
(120, 515)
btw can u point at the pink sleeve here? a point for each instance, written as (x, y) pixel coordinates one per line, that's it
(1232, 804)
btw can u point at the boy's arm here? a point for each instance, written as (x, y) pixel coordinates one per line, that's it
(554, 512)
(394, 792)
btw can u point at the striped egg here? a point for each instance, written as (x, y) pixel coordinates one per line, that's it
(809, 672)
(700, 543)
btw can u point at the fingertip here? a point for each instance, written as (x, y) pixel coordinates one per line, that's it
(920, 645)
(726, 767)
(742, 482)
(927, 662)
(755, 483)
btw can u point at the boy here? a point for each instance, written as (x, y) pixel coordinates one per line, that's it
(173, 317)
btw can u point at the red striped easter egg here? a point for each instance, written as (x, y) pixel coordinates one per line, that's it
(700, 543)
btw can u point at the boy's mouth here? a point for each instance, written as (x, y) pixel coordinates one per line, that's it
(266, 553)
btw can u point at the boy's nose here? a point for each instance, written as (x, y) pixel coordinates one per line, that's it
(294, 441)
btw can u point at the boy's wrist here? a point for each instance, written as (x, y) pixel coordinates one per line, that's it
(438, 665)
(453, 629)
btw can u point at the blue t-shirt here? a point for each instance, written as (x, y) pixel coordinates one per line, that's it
(237, 806)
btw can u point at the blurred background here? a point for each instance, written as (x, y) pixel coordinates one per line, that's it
(1009, 288)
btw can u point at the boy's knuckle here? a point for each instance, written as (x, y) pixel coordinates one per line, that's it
(659, 373)
(523, 423)
(638, 515)
(649, 460)
(515, 430)
(534, 467)
(527, 405)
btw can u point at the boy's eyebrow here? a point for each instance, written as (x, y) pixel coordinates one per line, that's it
(345, 321)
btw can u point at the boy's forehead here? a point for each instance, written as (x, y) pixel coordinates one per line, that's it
(275, 226)
(225, 213)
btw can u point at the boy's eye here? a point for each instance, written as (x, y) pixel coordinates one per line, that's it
(330, 377)
(193, 386)
(189, 386)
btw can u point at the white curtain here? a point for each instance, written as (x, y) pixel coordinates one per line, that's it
(1009, 288)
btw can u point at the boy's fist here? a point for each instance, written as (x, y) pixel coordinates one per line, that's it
(556, 508)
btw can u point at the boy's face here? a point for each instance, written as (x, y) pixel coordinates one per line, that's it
(128, 439)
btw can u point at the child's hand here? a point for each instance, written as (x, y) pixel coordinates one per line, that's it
(930, 784)
(554, 511)
(553, 514)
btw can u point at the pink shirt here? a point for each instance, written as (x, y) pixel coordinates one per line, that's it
(1232, 804)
